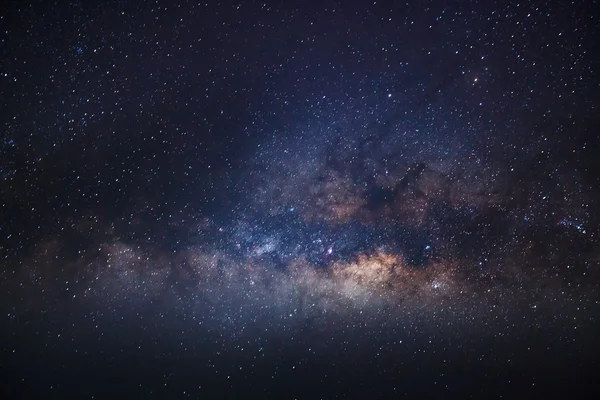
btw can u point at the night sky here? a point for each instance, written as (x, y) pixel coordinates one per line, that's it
(299, 199)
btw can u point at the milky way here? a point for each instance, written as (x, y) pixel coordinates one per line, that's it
(299, 201)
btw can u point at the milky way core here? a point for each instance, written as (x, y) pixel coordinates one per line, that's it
(298, 200)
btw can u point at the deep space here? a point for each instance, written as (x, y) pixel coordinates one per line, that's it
(299, 199)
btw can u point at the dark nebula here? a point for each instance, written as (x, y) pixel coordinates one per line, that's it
(299, 199)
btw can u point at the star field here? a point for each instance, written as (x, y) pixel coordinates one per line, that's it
(299, 199)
